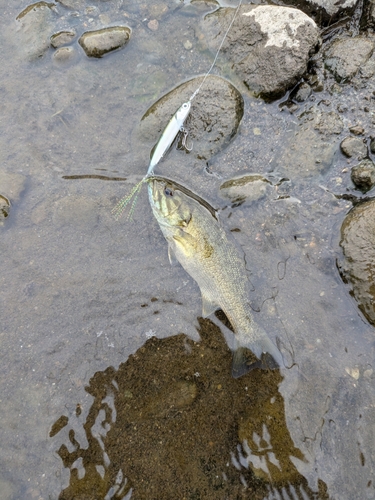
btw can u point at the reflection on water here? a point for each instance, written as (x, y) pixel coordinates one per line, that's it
(171, 422)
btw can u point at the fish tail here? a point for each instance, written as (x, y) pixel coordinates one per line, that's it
(263, 348)
(240, 364)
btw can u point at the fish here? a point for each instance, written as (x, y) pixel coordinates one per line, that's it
(197, 240)
(175, 125)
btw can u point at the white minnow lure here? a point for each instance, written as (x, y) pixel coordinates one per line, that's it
(175, 125)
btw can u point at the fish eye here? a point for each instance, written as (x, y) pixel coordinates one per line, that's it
(185, 105)
(168, 192)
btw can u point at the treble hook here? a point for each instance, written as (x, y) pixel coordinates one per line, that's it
(184, 143)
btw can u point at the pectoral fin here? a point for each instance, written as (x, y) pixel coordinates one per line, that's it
(184, 239)
(209, 306)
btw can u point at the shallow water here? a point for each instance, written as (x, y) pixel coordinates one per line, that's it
(80, 292)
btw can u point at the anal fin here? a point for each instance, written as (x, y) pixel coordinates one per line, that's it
(208, 306)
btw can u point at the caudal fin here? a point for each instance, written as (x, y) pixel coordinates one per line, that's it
(264, 349)
(241, 363)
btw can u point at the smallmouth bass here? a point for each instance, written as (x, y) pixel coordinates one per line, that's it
(199, 243)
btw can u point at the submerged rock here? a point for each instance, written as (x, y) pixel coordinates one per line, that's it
(347, 55)
(72, 4)
(358, 265)
(311, 149)
(100, 42)
(301, 93)
(214, 118)
(269, 46)
(64, 54)
(244, 189)
(354, 146)
(4, 208)
(62, 38)
(35, 23)
(357, 130)
(363, 175)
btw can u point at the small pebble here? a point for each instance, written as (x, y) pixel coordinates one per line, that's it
(354, 146)
(353, 372)
(357, 130)
(188, 45)
(153, 24)
(363, 175)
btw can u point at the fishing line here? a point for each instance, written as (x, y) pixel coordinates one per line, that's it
(122, 204)
(218, 52)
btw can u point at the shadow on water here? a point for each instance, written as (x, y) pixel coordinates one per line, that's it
(172, 423)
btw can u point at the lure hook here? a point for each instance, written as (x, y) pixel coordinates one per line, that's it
(184, 140)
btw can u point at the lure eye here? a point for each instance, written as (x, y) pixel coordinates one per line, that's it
(185, 105)
(168, 192)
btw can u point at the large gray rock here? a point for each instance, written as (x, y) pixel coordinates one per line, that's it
(269, 46)
(358, 264)
(214, 118)
(347, 55)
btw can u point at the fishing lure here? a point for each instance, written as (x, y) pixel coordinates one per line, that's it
(175, 125)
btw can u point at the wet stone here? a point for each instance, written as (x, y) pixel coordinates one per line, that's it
(363, 175)
(153, 25)
(4, 208)
(354, 146)
(357, 130)
(100, 42)
(345, 56)
(301, 93)
(368, 70)
(156, 10)
(245, 189)
(311, 149)
(36, 28)
(263, 38)
(358, 265)
(62, 38)
(214, 118)
(72, 4)
(329, 123)
(64, 54)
